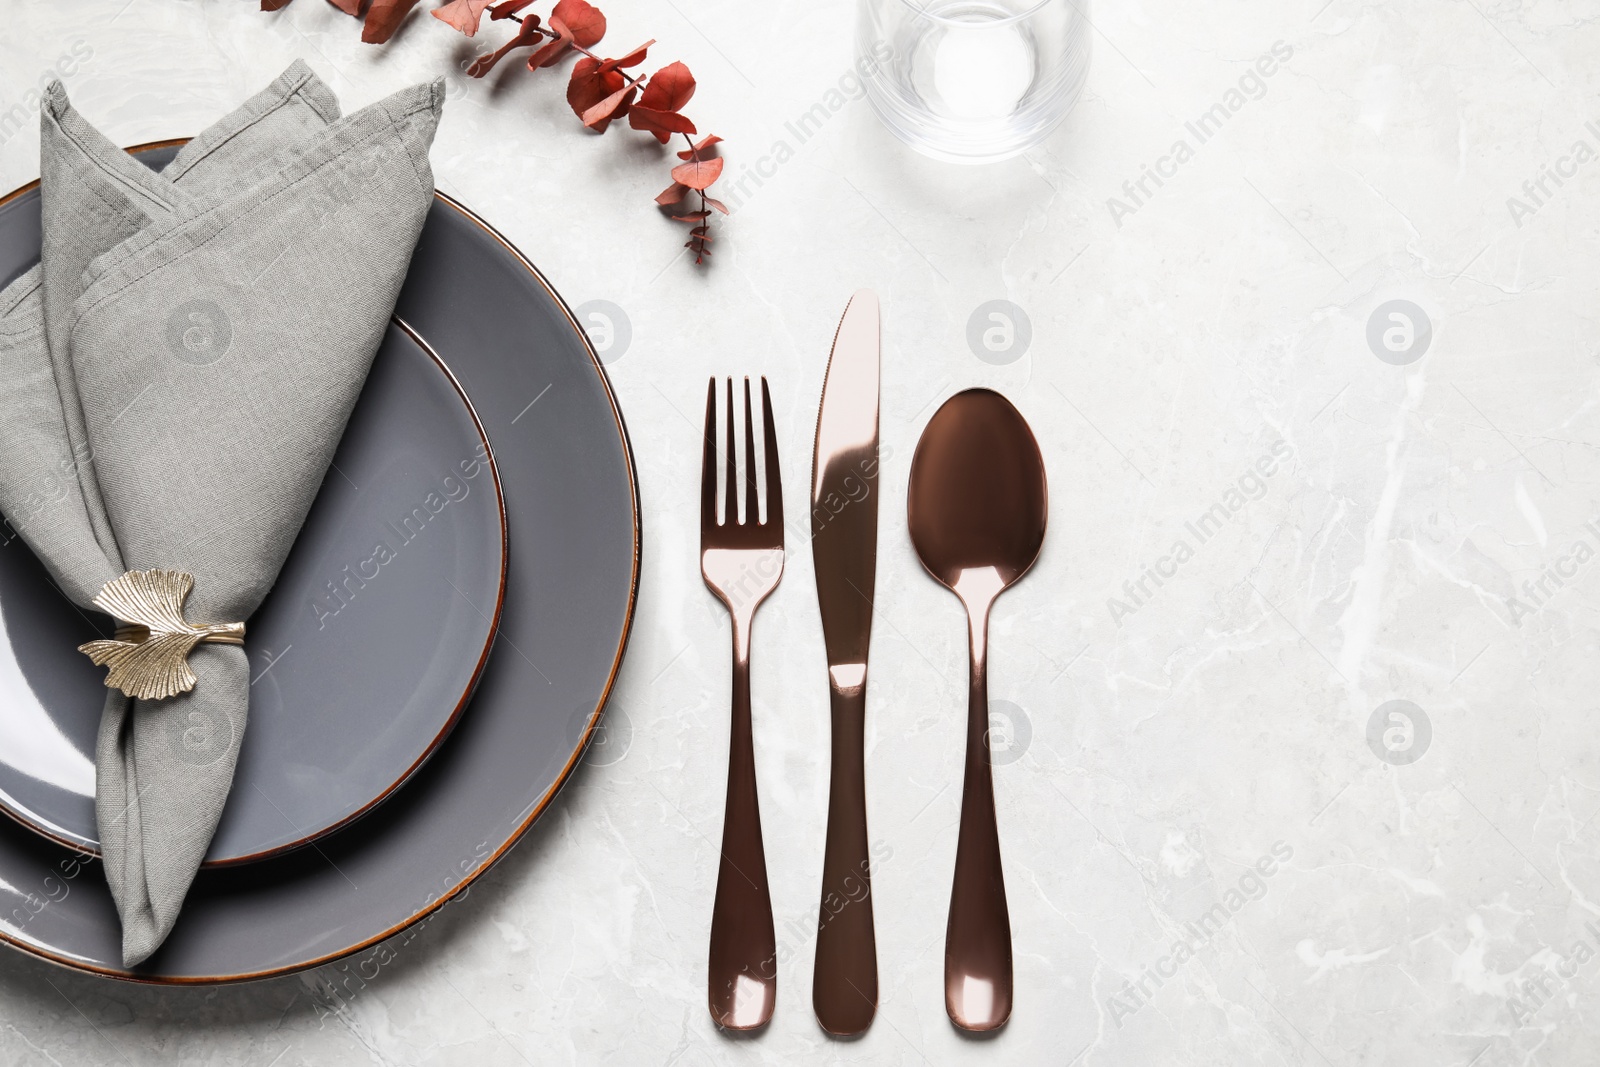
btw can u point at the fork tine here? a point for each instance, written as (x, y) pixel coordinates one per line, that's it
(731, 508)
(752, 509)
(708, 463)
(774, 479)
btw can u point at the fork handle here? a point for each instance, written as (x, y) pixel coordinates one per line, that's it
(844, 991)
(742, 978)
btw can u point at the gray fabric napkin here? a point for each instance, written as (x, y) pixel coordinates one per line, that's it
(174, 380)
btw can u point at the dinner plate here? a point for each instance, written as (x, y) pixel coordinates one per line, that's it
(572, 509)
(362, 656)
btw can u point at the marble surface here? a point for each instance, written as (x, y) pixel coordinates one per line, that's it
(1225, 841)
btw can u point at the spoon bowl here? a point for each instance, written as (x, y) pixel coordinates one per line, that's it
(977, 498)
(976, 508)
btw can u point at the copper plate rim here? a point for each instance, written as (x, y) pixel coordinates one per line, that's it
(544, 802)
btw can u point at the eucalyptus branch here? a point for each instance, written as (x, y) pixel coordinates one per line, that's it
(599, 90)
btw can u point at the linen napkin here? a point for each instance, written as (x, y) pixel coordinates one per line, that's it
(45, 461)
(206, 332)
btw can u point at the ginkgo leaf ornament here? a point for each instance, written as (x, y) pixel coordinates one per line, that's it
(149, 658)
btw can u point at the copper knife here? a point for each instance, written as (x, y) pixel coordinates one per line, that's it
(844, 546)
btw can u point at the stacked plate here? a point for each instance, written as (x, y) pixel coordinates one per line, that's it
(428, 669)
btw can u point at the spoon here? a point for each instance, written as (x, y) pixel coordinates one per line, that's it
(976, 508)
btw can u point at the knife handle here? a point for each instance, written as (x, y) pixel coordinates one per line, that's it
(844, 989)
(742, 977)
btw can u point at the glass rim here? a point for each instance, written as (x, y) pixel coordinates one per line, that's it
(920, 10)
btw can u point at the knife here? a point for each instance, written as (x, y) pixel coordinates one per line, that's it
(844, 546)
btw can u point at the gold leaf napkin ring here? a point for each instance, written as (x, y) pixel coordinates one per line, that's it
(149, 659)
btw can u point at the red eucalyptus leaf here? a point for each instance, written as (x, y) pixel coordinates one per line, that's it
(350, 7)
(672, 194)
(463, 15)
(583, 19)
(600, 115)
(383, 18)
(552, 52)
(507, 9)
(632, 59)
(274, 5)
(699, 173)
(527, 34)
(693, 216)
(588, 85)
(700, 147)
(669, 89)
(718, 204)
(661, 123)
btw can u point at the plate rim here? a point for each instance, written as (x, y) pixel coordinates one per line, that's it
(562, 778)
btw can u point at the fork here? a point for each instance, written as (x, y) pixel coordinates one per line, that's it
(741, 563)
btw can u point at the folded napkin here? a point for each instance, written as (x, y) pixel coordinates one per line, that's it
(174, 379)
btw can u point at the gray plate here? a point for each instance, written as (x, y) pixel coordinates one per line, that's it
(355, 683)
(572, 509)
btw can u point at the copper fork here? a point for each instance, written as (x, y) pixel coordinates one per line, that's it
(742, 563)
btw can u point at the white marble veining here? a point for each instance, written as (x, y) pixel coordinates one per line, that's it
(1208, 862)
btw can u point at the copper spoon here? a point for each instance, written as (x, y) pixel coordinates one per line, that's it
(976, 508)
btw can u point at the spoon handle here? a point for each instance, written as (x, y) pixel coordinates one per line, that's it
(977, 945)
(844, 990)
(742, 978)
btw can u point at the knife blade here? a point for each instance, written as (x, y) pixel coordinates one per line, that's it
(844, 548)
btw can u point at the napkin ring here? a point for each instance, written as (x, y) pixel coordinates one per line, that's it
(149, 658)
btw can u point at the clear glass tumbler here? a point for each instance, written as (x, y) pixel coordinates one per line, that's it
(973, 81)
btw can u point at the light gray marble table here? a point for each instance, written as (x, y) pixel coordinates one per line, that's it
(1274, 515)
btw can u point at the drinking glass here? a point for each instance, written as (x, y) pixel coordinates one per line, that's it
(973, 81)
